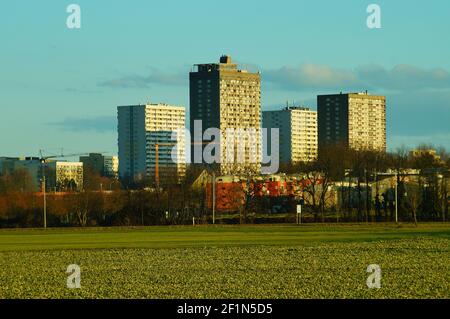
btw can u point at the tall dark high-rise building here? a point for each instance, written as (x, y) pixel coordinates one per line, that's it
(224, 97)
(354, 120)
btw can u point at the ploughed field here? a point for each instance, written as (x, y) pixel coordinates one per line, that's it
(308, 261)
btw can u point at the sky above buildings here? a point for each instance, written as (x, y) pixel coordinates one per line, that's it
(59, 87)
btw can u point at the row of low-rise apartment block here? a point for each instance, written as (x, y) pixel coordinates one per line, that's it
(60, 176)
(231, 190)
(225, 97)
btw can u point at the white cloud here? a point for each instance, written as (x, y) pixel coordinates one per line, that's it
(310, 76)
(144, 81)
(404, 77)
(322, 77)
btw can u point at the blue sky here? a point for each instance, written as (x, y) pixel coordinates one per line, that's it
(59, 88)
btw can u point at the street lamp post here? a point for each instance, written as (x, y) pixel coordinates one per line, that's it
(44, 189)
(44, 186)
(396, 197)
(214, 196)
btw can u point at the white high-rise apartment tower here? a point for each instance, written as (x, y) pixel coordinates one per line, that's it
(298, 133)
(142, 130)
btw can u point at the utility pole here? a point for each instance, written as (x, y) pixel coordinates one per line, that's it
(397, 175)
(44, 186)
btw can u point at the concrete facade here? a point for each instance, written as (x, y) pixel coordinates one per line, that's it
(298, 133)
(104, 165)
(355, 120)
(224, 97)
(141, 128)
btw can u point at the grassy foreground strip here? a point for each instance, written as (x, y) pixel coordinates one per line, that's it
(210, 236)
(310, 261)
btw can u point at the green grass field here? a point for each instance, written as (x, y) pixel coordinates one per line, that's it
(283, 261)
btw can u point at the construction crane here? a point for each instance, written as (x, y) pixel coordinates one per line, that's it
(43, 160)
(156, 146)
